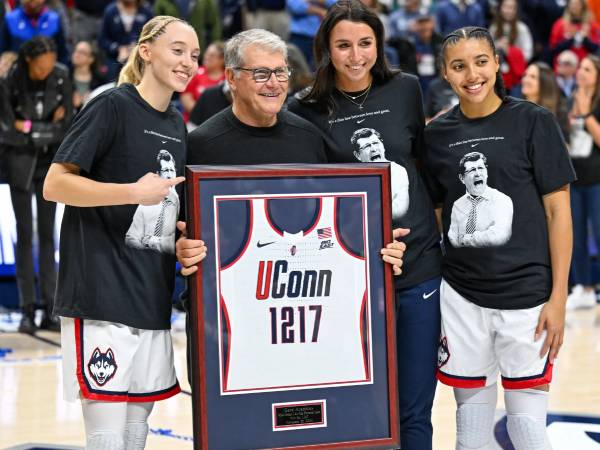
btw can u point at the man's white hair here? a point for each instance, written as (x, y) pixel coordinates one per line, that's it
(256, 37)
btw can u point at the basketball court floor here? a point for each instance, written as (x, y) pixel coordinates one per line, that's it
(33, 414)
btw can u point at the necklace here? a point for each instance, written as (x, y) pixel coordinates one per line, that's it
(352, 98)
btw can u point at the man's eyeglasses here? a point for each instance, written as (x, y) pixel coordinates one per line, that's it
(262, 74)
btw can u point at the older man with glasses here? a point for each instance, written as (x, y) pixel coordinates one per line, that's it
(254, 130)
(566, 67)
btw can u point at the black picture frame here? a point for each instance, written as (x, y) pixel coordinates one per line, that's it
(271, 382)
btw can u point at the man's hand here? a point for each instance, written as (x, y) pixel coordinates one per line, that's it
(394, 251)
(189, 251)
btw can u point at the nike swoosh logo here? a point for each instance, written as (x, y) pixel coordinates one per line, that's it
(262, 244)
(426, 296)
(593, 436)
(475, 145)
(360, 121)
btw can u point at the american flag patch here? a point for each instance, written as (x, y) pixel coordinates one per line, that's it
(324, 233)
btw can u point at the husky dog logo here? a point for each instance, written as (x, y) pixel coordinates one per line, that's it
(102, 366)
(443, 352)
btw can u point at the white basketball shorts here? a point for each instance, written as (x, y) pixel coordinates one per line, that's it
(478, 342)
(112, 362)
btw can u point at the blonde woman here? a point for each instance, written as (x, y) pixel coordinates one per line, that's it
(576, 30)
(118, 171)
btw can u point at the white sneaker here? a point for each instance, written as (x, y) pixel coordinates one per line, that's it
(587, 299)
(574, 296)
(579, 298)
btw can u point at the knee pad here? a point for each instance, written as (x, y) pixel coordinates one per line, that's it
(526, 433)
(136, 428)
(475, 417)
(526, 418)
(135, 436)
(104, 441)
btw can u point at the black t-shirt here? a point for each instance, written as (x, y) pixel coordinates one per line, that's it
(117, 262)
(223, 139)
(439, 97)
(495, 231)
(211, 102)
(588, 169)
(389, 127)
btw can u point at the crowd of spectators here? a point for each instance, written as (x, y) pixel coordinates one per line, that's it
(540, 44)
(94, 37)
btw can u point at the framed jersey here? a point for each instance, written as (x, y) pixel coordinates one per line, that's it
(292, 309)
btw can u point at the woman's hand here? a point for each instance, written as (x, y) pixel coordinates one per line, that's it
(152, 189)
(393, 253)
(552, 319)
(582, 104)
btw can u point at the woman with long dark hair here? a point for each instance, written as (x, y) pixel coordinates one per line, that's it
(539, 86)
(40, 97)
(499, 171)
(585, 192)
(513, 42)
(370, 113)
(509, 31)
(85, 72)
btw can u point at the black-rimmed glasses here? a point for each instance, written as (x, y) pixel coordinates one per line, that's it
(262, 74)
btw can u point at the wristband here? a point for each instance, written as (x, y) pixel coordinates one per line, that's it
(26, 126)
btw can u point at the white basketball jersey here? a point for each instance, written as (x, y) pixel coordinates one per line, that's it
(296, 308)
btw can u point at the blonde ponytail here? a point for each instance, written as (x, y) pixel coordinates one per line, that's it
(133, 70)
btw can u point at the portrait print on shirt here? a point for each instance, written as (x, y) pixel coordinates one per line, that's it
(483, 216)
(153, 226)
(368, 147)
